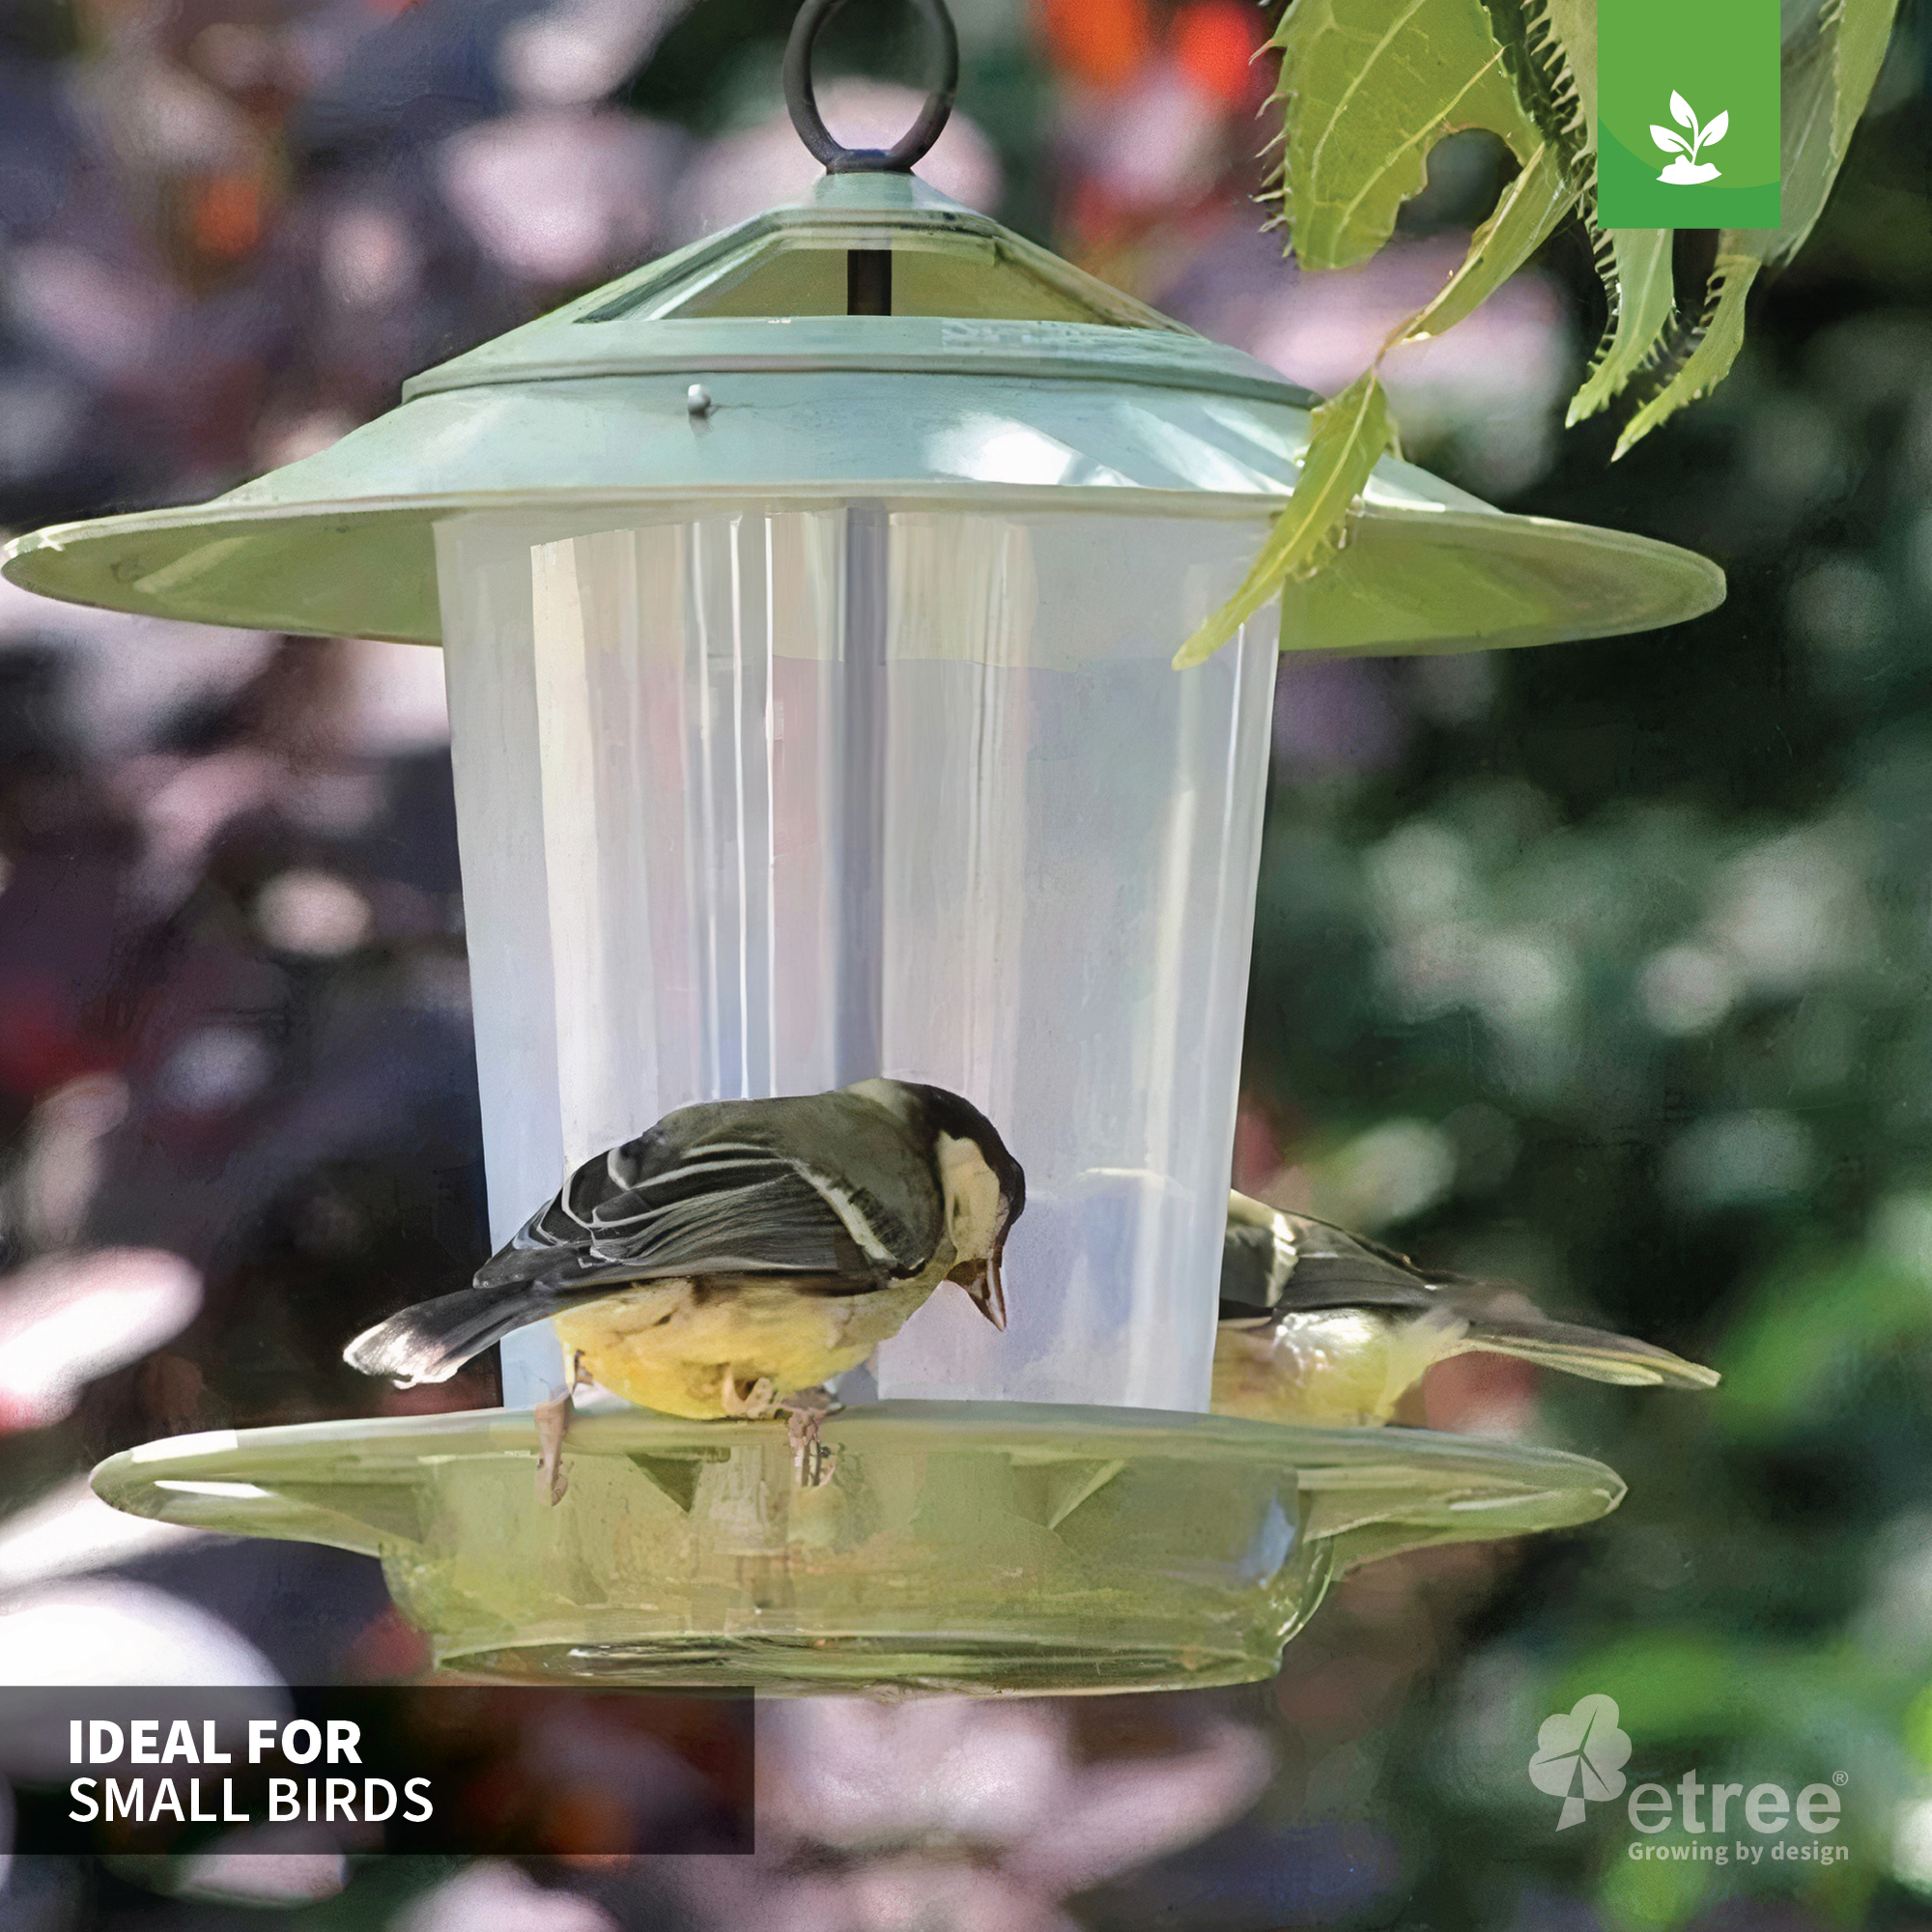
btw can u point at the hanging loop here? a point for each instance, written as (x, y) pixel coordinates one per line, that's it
(898, 158)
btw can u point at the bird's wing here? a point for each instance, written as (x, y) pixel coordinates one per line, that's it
(713, 1213)
(1594, 1353)
(732, 1205)
(1334, 1269)
(720, 1210)
(1258, 1255)
(725, 1209)
(1248, 1272)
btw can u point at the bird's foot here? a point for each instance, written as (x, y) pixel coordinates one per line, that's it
(814, 1461)
(552, 1419)
(753, 1404)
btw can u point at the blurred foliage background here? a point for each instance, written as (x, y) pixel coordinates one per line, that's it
(1604, 967)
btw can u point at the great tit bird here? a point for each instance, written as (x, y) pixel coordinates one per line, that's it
(736, 1255)
(1322, 1326)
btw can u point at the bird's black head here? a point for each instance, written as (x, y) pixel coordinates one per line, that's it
(984, 1189)
(947, 1113)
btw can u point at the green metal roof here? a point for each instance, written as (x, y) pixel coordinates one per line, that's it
(1004, 377)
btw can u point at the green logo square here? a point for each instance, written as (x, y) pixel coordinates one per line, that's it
(1687, 113)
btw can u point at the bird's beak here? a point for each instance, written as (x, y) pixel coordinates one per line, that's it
(980, 1279)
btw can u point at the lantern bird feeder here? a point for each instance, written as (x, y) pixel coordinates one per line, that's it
(808, 599)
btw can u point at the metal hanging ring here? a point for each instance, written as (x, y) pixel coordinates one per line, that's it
(897, 160)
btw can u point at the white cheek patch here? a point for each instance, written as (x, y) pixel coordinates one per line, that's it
(972, 1194)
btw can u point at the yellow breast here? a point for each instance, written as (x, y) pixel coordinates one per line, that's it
(669, 1346)
(1331, 1369)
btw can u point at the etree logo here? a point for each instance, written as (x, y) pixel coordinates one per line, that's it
(1581, 1756)
(1686, 171)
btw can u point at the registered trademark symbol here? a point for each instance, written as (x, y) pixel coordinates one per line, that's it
(1841, 1777)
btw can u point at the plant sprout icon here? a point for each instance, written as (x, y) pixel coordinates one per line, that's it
(1584, 1748)
(1684, 169)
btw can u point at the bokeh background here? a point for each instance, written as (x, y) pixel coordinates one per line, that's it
(1607, 967)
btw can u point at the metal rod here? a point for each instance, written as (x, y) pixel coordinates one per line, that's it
(869, 281)
(860, 872)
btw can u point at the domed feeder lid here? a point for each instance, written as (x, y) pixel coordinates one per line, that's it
(731, 372)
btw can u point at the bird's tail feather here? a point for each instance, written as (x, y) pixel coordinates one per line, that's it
(431, 1341)
(1593, 1353)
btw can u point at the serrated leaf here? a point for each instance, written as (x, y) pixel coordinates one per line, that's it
(1368, 87)
(1351, 434)
(1642, 296)
(1636, 265)
(1528, 212)
(1828, 71)
(1865, 32)
(1721, 337)
(1562, 40)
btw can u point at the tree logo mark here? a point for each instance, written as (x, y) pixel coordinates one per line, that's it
(1580, 1753)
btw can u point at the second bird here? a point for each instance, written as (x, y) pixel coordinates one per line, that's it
(1322, 1326)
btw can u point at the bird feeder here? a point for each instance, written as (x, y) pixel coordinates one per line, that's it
(808, 599)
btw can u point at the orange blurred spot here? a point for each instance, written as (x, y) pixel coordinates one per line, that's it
(493, 1799)
(1104, 42)
(1479, 1394)
(388, 1649)
(1214, 43)
(581, 1820)
(42, 1043)
(1256, 1147)
(229, 216)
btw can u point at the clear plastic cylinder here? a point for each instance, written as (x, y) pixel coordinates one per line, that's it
(760, 801)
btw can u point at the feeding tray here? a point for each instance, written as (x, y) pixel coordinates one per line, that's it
(959, 1548)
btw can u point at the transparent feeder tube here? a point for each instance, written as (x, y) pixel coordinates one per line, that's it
(763, 801)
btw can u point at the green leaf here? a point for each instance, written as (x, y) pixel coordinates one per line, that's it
(1350, 436)
(1367, 89)
(1637, 280)
(1828, 76)
(1830, 70)
(1864, 33)
(1528, 212)
(1720, 335)
(1559, 38)
(1351, 433)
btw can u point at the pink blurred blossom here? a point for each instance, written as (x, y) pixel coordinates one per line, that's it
(958, 1815)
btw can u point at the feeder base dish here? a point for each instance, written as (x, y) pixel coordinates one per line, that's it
(958, 1547)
